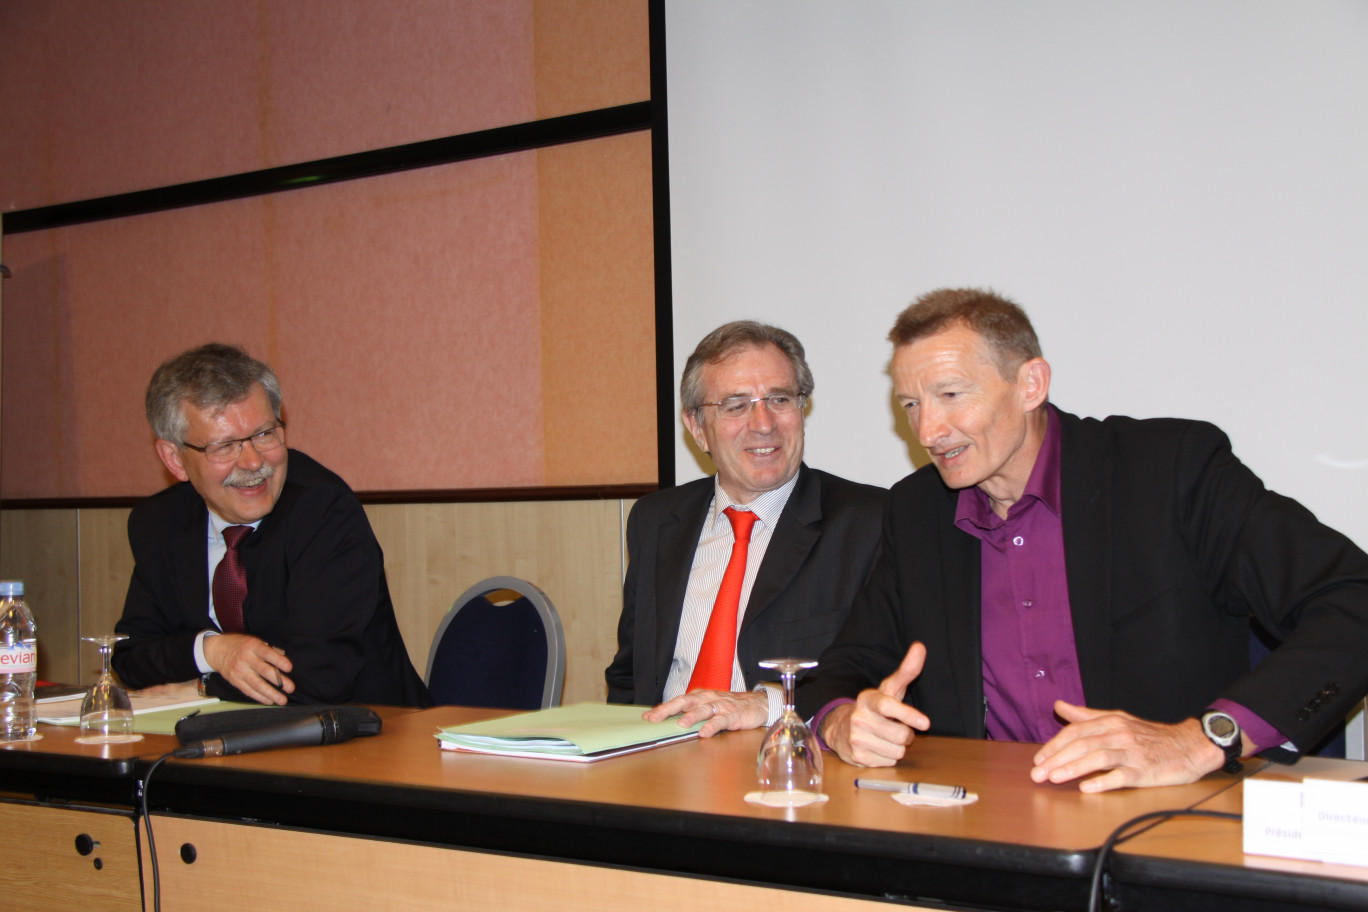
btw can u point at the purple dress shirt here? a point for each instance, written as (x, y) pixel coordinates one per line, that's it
(1029, 656)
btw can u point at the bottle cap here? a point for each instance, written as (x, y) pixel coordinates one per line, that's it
(11, 588)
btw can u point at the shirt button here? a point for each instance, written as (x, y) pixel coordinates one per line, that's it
(1040, 673)
(1026, 604)
(1018, 541)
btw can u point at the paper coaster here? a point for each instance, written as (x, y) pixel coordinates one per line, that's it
(785, 799)
(927, 801)
(108, 739)
(27, 740)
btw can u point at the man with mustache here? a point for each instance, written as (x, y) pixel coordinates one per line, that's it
(251, 582)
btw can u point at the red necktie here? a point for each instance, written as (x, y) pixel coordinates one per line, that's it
(230, 582)
(713, 670)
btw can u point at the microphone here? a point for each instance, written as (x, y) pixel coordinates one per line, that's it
(326, 727)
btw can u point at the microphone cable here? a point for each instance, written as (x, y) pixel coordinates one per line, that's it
(147, 820)
(1118, 835)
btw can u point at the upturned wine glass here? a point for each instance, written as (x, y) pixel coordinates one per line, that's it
(790, 762)
(106, 712)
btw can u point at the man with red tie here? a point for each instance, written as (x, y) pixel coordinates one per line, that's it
(760, 561)
(250, 582)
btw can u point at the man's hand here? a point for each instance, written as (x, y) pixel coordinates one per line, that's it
(1131, 751)
(876, 729)
(251, 665)
(724, 710)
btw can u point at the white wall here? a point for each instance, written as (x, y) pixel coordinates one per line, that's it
(1177, 192)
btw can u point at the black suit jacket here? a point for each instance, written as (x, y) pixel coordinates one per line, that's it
(315, 587)
(1173, 548)
(819, 555)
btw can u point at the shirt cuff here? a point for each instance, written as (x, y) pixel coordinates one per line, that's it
(774, 694)
(200, 661)
(816, 724)
(1257, 732)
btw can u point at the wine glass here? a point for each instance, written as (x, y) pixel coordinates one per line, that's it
(106, 713)
(790, 762)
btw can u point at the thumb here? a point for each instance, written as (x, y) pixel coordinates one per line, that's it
(1071, 713)
(895, 685)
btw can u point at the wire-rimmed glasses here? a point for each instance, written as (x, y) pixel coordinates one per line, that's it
(272, 438)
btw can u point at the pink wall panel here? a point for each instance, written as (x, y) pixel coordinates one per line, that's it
(90, 312)
(401, 312)
(409, 315)
(417, 320)
(103, 98)
(352, 75)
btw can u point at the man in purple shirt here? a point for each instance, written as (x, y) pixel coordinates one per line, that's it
(1092, 585)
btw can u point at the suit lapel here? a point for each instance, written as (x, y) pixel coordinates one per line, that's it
(190, 562)
(676, 542)
(793, 539)
(1087, 547)
(961, 575)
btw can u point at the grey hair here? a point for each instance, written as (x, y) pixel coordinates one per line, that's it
(213, 376)
(730, 338)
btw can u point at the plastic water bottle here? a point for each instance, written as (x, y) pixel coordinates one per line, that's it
(18, 664)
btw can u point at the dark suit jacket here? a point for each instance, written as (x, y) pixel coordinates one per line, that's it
(315, 587)
(818, 556)
(1173, 548)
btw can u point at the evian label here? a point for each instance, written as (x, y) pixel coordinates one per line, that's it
(21, 658)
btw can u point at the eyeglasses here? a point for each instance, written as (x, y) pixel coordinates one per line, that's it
(273, 438)
(738, 407)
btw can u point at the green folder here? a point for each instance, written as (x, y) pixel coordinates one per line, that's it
(581, 732)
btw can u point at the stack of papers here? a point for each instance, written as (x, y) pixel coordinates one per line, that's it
(67, 710)
(579, 733)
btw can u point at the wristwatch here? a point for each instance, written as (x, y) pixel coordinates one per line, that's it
(1224, 732)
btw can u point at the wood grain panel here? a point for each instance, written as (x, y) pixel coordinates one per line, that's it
(40, 548)
(433, 552)
(106, 566)
(303, 871)
(45, 839)
(571, 549)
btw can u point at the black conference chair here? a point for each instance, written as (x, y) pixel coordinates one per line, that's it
(501, 645)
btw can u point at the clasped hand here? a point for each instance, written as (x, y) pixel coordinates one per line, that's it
(253, 666)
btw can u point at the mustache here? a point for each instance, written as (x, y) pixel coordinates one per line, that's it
(241, 478)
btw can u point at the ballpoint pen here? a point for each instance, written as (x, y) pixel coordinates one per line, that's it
(924, 789)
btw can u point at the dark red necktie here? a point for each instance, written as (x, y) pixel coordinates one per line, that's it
(713, 671)
(230, 582)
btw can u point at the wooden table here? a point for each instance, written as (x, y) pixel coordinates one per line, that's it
(394, 813)
(67, 810)
(1196, 860)
(393, 822)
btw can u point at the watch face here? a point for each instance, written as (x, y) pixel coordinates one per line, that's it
(1220, 726)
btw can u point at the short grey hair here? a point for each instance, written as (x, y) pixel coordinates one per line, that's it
(730, 338)
(213, 376)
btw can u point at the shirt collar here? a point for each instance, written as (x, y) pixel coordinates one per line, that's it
(217, 524)
(1042, 487)
(766, 507)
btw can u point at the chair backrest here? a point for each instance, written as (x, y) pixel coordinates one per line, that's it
(508, 653)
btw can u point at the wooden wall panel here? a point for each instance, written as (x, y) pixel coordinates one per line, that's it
(571, 549)
(40, 548)
(76, 565)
